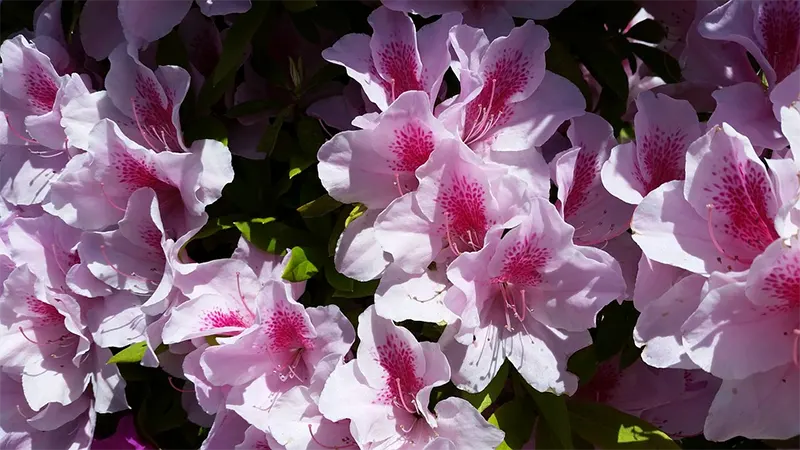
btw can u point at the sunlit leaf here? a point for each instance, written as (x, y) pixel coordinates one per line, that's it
(608, 428)
(516, 419)
(299, 267)
(130, 354)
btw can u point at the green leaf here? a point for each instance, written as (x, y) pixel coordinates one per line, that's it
(360, 289)
(296, 6)
(270, 136)
(299, 268)
(647, 30)
(614, 329)
(560, 61)
(515, 418)
(171, 51)
(545, 438)
(211, 93)
(130, 354)
(272, 236)
(604, 65)
(327, 73)
(206, 128)
(239, 35)
(358, 211)
(486, 397)
(298, 163)
(553, 409)
(583, 363)
(310, 136)
(252, 107)
(319, 207)
(661, 63)
(607, 428)
(338, 281)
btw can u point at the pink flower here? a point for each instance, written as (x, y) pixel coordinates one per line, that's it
(282, 349)
(460, 200)
(229, 431)
(374, 167)
(293, 418)
(664, 129)
(143, 103)
(49, 248)
(658, 328)
(785, 98)
(377, 165)
(723, 215)
(104, 24)
(55, 426)
(131, 257)
(768, 30)
(583, 201)
(27, 172)
(385, 393)
(92, 191)
(747, 108)
(677, 401)
(508, 101)
(224, 291)
(757, 315)
(495, 17)
(35, 93)
(47, 342)
(390, 62)
(528, 297)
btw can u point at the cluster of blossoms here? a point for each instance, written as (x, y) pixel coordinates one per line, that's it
(697, 222)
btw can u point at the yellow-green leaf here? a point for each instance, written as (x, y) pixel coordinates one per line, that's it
(130, 354)
(299, 267)
(516, 419)
(553, 409)
(608, 428)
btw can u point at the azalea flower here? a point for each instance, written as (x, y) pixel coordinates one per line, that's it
(386, 390)
(529, 297)
(391, 61)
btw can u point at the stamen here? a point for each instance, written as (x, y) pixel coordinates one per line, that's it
(103, 189)
(241, 296)
(403, 400)
(53, 355)
(17, 133)
(484, 121)
(796, 348)
(325, 128)
(337, 447)
(139, 125)
(411, 427)
(27, 338)
(397, 183)
(450, 238)
(172, 383)
(280, 368)
(481, 116)
(21, 414)
(46, 153)
(393, 94)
